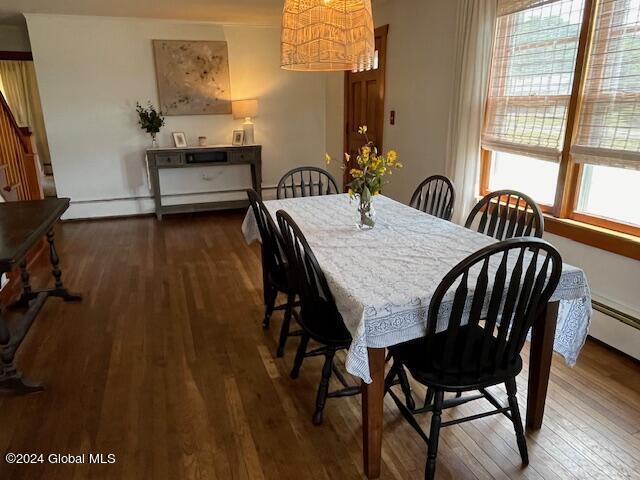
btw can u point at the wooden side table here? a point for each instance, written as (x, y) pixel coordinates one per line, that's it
(189, 157)
(22, 226)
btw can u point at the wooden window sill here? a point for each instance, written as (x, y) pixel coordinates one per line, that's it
(599, 237)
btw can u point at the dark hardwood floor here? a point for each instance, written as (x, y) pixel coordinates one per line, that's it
(165, 365)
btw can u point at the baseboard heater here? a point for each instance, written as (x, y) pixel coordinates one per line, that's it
(617, 314)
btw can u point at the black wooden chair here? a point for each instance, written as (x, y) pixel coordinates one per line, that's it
(306, 182)
(507, 214)
(472, 345)
(436, 196)
(503, 214)
(319, 316)
(274, 271)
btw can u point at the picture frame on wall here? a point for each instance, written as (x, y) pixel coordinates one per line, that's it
(238, 138)
(192, 77)
(179, 139)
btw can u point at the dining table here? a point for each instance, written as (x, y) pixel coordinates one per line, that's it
(383, 279)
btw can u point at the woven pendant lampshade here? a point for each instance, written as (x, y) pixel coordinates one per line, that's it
(327, 35)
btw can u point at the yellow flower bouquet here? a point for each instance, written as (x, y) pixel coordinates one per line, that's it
(368, 177)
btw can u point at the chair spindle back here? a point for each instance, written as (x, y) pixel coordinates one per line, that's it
(507, 214)
(509, 284)
(436, 196)
(272, 248)
(317, 302)
(306, 182)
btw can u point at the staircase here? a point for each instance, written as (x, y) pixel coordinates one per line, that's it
(19, 180)
(19, 173)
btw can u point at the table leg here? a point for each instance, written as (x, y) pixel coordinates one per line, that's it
(10, 378)
(540, 354)
(27, 292)
(154, 180)
(59, 290)
(269, 293)
(256, 178)
(372, 414)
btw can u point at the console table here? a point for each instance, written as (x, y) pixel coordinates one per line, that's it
(22, 227)
(158, 158)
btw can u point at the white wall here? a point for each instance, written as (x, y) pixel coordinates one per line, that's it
(334, 111)
(91, 72)
(614, 281)
(419, 76)
(420, 53)
(14, 38)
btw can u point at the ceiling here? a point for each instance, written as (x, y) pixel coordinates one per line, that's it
(261, 12)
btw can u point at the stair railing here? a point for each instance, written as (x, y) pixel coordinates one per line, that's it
(17, 159)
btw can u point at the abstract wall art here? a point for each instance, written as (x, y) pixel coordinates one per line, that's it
(193, 77)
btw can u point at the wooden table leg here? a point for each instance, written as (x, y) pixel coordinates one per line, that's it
(542, 337)
(59, 290)
(256, 178)
(372, 412)
(27, 292)
(10, 377)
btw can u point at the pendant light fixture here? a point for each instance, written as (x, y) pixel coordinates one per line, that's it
(327, 35)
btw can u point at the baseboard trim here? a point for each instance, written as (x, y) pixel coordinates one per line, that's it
(613, 349)
(619, 315)
(122, 207)
(113, 207)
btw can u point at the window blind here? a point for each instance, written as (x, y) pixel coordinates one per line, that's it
(507, 7)
(609, 123)
(531, 78)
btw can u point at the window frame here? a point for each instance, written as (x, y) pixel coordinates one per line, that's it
(561, 217)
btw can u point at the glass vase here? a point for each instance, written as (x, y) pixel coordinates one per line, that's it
(154, 142)
(366, 215)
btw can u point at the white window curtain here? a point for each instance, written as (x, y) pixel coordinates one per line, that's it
(19, 86)
(609, 123)
(476, 23)
(532, 69)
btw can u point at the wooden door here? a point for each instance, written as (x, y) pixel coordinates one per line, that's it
(364, 101)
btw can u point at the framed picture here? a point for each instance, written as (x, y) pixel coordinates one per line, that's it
(192, 77)
(179, 139)
(238, 137)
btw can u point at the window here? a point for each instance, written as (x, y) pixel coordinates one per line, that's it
(539, 183)
(609, 192)
(562, 121)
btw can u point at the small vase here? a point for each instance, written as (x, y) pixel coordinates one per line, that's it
(366, 218)
(154, 142)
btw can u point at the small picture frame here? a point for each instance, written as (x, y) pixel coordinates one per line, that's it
(179, 139)
(238, 138)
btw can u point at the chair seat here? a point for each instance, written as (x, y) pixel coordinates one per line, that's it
(327, 325)
(422, 362)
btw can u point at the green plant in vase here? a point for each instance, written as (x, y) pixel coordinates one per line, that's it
(368, 177)
(150, 120)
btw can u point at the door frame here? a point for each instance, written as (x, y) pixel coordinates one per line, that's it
(380, 32)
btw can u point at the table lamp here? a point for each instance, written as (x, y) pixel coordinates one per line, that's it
(246, 109)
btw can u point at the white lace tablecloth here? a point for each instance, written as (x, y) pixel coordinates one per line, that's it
(383, 279)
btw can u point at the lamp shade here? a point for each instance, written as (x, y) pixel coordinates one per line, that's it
(244, 108)
(327, 35)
